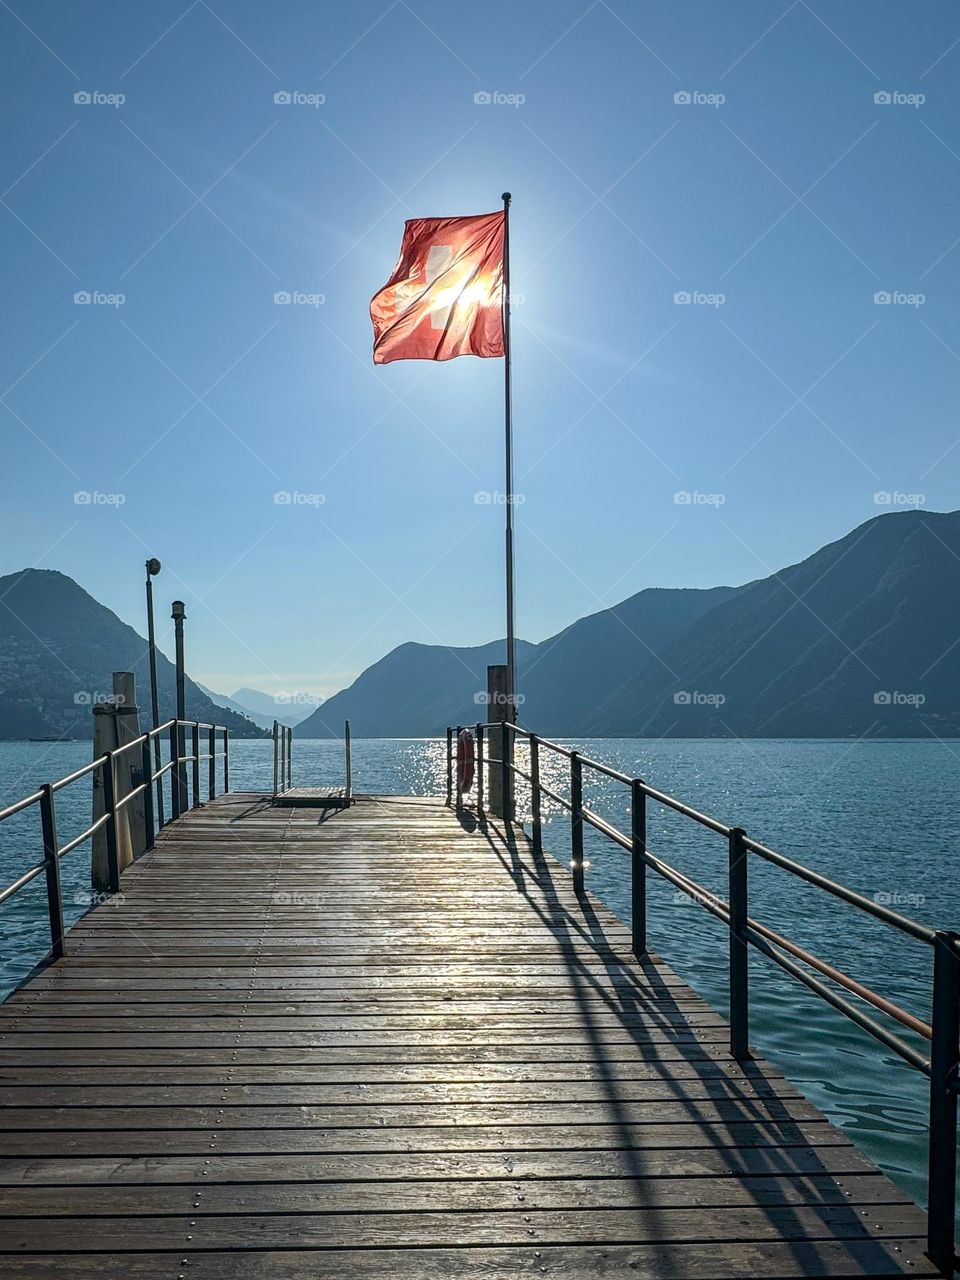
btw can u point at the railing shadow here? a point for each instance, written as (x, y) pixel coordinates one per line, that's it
(737, 1108)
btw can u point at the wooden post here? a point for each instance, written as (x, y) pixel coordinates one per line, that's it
(499, 777)
(449, 766)
(479, 733)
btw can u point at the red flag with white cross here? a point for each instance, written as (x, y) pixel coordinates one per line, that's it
(445, 296)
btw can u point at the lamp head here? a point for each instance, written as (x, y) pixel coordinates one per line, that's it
(153, 567)
(178, 610)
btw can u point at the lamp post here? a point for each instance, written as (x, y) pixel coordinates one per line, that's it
(179, 613)
(153, 568)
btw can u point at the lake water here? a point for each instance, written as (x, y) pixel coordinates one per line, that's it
(881, 817)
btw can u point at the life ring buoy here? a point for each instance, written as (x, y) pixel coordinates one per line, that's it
(465, 760)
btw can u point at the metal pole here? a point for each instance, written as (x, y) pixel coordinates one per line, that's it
(638, 868)
(739, 999)
(149, 820)
(51, 860)
(576, 821)
(275, 757)
(944, 1053)
(347, 760)
(290, 757)
(535, 797)
(212, 764)
(459, 792)
(226, 761)
(175, 793)
(153, 568)
(449, 766)
(195, 745)
(506, 777)
(508, 451)
(179, 612)
(110, 808)
(479, 768)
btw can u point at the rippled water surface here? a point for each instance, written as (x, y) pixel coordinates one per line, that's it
(882, 817)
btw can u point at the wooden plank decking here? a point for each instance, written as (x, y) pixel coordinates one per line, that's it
(376, 1042)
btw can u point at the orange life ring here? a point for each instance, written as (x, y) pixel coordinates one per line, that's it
(465, 760)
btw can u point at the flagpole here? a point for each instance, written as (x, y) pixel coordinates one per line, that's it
(508, 445)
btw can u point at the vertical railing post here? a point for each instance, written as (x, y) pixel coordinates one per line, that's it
(638, 867)
(479, 768)
(459, 805)
(176, 805)
(290, 757)
(505, 778)
(275, 746)
(51, 861)
(739, 997)
(110, 827)
(226, 760)
(576, 822)
(535, 797)
(449, 766)
(195, 748)
(149, 817)
(347, 758)
(157, 764)
(944, 1054)
(212, 763)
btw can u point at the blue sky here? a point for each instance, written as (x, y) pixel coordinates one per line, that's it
(782, 196)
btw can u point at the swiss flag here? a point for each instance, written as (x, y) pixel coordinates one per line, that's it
(445, 297)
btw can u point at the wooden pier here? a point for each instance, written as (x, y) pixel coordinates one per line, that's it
(382, 1041)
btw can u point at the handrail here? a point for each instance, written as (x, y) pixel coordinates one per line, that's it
(942, 1067)
(19, 805)
(151, 774)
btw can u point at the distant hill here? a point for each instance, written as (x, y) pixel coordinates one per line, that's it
(418, 689)
(861, 638)
(58, 650)
(415, 691)
(288, 707)
(221, 700)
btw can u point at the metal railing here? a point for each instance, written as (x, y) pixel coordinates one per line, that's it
(282, 758)
(150, 772)
(940, 1062)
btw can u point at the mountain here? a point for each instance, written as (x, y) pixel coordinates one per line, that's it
(863, 637)
(291, 708)
(58, 650)
(221, 700)
(416, 690)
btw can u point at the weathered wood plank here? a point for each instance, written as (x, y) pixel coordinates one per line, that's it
(294, 1045)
